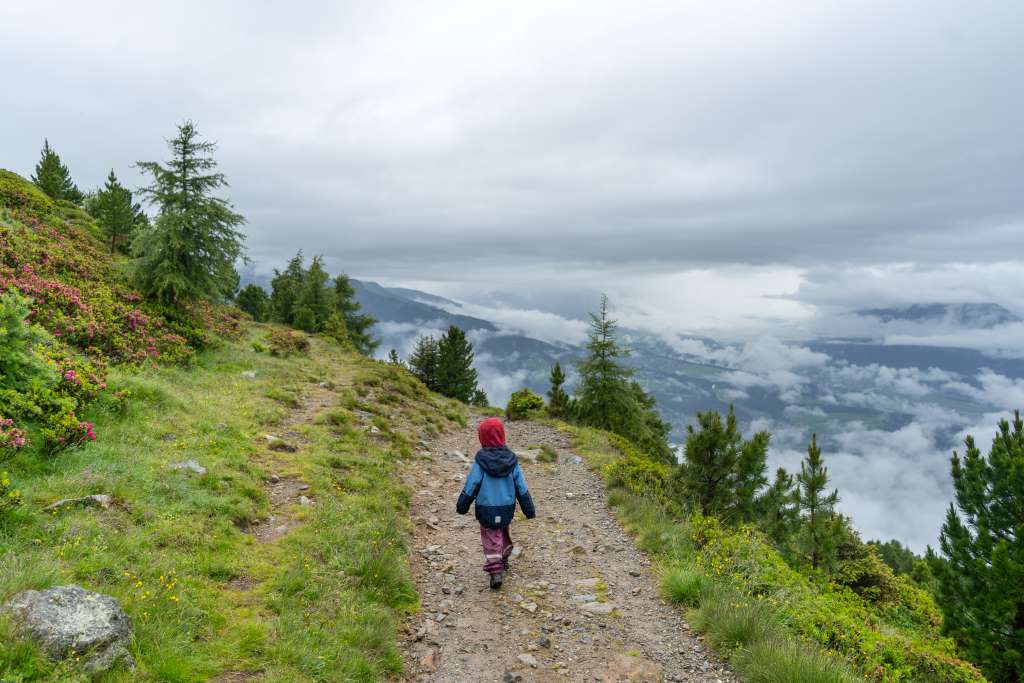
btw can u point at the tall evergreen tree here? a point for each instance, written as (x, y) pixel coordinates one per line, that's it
(116, 212)
(423, 361)
(358, 323)
(393, 357)
(981, 582)
(285, 289)
(558, 399)
(456, 377)
(603, 399)
(190, 250)
(253, 300)
(777, 509)
(315, 301)
(820, 526)
(721, 473)
(53, 177)
(607, 398)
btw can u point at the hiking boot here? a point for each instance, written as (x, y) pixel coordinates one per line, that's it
(496, 580)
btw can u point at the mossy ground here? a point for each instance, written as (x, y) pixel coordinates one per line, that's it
(322, 603)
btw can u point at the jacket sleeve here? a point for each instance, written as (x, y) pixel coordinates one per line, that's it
(470, 489)
(523, 494)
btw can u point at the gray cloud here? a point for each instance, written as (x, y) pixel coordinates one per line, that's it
(411, 137)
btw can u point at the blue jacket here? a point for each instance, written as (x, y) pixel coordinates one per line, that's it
(495, 482)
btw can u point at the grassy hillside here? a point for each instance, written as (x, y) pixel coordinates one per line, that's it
(282, 555)
(776, 623)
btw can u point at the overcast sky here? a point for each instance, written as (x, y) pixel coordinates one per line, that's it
(718, 166)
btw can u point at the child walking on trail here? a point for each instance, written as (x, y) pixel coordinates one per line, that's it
(495, 482)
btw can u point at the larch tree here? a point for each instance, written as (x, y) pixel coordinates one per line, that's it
(981, 580)
(357, 322)
(190, 250)
(54, 178)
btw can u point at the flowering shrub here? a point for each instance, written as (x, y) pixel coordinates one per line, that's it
(11, 438)
(72, 285)
(287, 342)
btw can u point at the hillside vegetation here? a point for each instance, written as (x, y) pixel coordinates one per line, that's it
(213, 588)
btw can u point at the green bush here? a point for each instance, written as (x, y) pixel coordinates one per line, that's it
(522, 403)
(10, 497)
(685, 585)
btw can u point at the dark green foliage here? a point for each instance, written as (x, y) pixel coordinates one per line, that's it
(253, 300)
(393, 357)
(479, 399)
(285, 289)
(455, 375)
(608, 399)
(189, 252)
(820, 526)
(900, 559)
(358, 324)
(522, 403)
(721, 473)
(116, 212)
(20, 366)
(558, 399)
(309, 300)
(981, 585)
(777, 511)
(53, 177)
(315, 302)
(423, 361)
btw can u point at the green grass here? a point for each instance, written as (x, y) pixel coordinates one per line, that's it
(749, 632)
(547, 454)
(327, 598)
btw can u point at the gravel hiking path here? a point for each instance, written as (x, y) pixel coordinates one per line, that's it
(580, 602)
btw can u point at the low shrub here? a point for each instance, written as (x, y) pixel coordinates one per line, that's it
(10, 497)
(522, 403)
(285, 343)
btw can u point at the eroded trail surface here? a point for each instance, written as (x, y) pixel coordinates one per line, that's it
(580, 602)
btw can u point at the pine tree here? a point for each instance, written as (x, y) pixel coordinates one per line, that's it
(721, 473)
(479, 399)
(423, 361)
(777, 509)
(358, 323)
(981, 581)
(253, 300)
(819, 523)
(602, 396)
(456, 377)
(115, 212)
(53, 177)
(285, 289)
(315, 301)
(190, 250)
(393, 357)
(558, 399)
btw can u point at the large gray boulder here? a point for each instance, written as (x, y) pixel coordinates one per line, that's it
(71, 621)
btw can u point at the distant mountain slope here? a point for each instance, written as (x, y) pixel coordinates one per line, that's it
(971, 315)
(398, 305)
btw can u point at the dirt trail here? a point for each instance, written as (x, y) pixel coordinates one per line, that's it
(551, 620)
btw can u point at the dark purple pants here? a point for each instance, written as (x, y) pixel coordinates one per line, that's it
(497, 547)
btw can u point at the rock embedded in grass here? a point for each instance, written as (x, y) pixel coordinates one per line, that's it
(69, 621)
(190, 465)
(97, 500)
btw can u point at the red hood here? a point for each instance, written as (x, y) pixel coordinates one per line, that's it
(491, 432)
